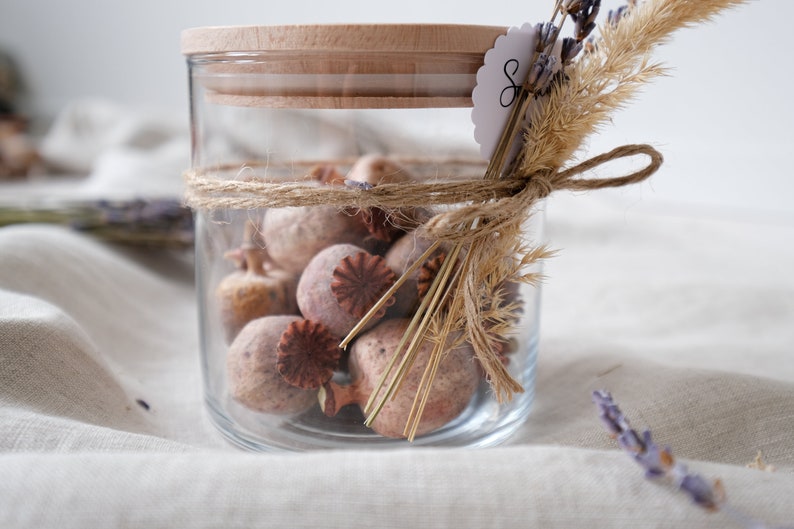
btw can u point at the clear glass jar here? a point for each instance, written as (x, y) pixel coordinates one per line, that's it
(352, 107)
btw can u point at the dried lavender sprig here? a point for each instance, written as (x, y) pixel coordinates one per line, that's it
(659, 463)
(544, 70)
(140, 222)
(583, 13)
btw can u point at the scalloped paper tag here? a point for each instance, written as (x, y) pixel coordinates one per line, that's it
(498, 81)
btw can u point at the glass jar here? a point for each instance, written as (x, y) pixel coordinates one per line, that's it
(302, 110)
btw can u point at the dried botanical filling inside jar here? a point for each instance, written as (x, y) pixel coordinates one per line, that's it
(304, 280)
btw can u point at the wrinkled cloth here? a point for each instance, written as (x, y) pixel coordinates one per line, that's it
(685, 316)
(687, 321)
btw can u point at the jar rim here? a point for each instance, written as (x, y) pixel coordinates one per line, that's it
(341, 38)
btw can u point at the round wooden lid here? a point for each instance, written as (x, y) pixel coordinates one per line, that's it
(416, 38)
(339, 66)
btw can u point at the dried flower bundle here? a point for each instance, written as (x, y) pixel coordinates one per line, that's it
(563, 107)
(495, 250)
(607, 79)
(660, 465)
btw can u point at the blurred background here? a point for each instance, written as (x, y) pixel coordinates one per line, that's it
(722, 118)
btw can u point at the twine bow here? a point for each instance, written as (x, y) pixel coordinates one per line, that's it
(521, 193)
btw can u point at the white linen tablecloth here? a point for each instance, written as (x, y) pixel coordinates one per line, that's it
(686, 317)
(688, 321)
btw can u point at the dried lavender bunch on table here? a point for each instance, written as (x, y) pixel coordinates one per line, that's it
(158, 222)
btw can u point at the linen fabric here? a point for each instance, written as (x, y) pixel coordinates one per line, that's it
(684, 315)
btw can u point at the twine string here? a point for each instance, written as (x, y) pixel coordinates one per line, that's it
(583, 184)
(208, 192)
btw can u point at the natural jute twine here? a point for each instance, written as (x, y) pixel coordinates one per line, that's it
(500, 197)
(487, 220)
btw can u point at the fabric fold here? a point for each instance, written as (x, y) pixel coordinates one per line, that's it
(533, 486)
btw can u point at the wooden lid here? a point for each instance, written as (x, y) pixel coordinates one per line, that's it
(414, 38)
(339, 66)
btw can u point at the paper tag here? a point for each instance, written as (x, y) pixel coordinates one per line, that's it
(498, 81)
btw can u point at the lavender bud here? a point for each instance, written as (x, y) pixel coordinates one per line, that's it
(546, 35)
(542, 72)
(602, 397)
(656, 461)
(630, 441)
(536, 72)
(612, 412)
(584, 18)
(699, 490)
(611, 425)
(582, 29)
(548, 72)
(584, 10)
(591, 10)
(570, 49)
(614, 16)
